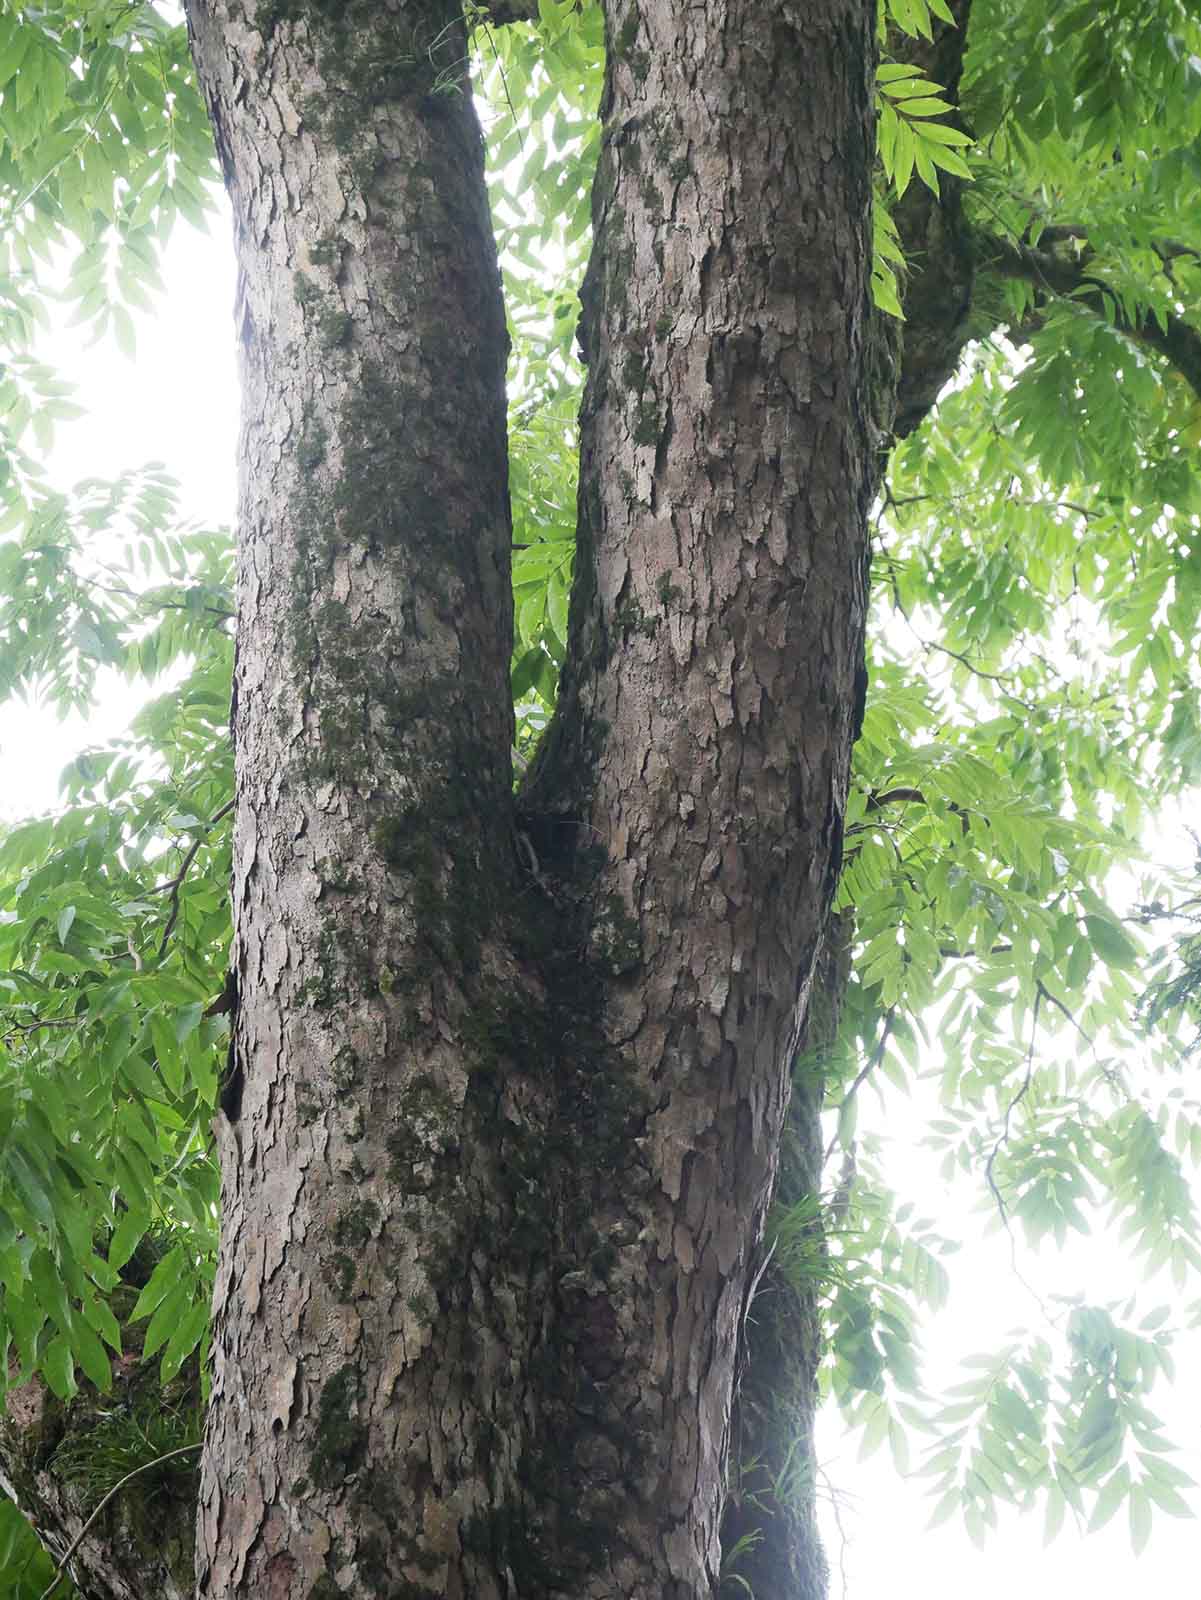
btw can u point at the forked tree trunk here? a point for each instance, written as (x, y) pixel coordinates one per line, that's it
(511, 1072)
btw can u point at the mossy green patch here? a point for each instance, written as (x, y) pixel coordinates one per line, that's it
(356, 1224)
(627, 33)
(647, 427)
(312, 444)
(633, 370)
(343, 1273)
(341, 1444)
(334, 328)
(616, 937)
(421, 1146)
(631, 620)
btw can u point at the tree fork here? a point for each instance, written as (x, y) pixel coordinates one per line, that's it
(511, 1105)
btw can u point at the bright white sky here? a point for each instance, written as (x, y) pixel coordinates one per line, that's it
(178, 404)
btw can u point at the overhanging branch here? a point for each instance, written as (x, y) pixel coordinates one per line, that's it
(1054, 275)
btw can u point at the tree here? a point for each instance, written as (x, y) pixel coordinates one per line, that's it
(509, 1069)
(510, 1074)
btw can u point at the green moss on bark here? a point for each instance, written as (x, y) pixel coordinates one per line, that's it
(341, 1445)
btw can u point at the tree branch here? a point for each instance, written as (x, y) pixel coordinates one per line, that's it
(946, 255)
(1178, 342)
(1003, 1137)
(939, 289)
(173, 885)
(16, 1028)
(865, 1071)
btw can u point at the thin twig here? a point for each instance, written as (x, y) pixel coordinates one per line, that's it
(1053, 999)
(182, 1450)
(173, 885)
(957, 655)
(1003, 1136)
(163, 605)
(38, 1023)
(485, 22)
(869, 1066)
(950, 953)
(843, 1541)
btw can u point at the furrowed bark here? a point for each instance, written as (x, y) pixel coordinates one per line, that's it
(708, 703)
(352, 1436)
(769, 1533)
(508, 1088)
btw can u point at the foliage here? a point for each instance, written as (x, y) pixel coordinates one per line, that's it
(1034, 698)
(146, 1439)
(113, 929)
(25, 1568)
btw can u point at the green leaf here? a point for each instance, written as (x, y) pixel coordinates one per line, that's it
(1055, 1507)
(1140, 1520)
(101, 1318)
(1112, 943)
(48, 1285)
(183, 1340)
(1167, 1498)
(58, 1367)
(169, 1316)
(1112, 1495)
(187, 1019)
(91, 1355)
(162, 1281)
(30, 1187)
(127, 1235)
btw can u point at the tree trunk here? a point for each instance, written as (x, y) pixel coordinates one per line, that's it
(509, 1076)
(769, 1532)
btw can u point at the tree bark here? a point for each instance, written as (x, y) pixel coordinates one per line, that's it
(707, 708)
(769, 1531)
(509, 1081)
